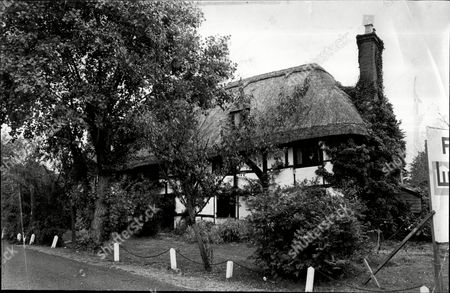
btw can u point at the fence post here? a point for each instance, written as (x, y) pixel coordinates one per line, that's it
(424, 289)
(173, 259)
(116, 251)
(24, 239)
(229, 272)
(3, 232)
(32, 239)
(19, 237)
(55, 240)
(309, 280)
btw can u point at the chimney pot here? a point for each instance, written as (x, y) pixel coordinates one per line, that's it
(368, 28)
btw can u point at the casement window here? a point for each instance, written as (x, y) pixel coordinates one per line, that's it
(307, 156)
(238, 116)
(226, 206)
(217, 164)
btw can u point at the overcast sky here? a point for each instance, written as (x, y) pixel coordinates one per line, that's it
(272, 35)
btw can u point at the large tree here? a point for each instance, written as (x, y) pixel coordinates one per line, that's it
(90, 65)
(419, 171)
(186, 153)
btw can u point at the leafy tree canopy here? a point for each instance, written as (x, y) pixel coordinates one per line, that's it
(89, 66)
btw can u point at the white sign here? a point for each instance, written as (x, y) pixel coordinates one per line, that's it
(438, 154)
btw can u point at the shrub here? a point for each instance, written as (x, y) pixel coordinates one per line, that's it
(282, 218)
(180, 228)
(207, 229)
(45, 236)
(233, 230)
(129, 198)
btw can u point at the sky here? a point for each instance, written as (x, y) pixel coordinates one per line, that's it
(271, 35)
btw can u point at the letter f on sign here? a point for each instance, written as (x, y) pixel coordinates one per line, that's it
(444, 145)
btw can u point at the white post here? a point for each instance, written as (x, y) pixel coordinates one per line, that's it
(310, 280)
(3, 232)
(424, 289)
(19, 237)
(229, 272)
(32, 239)
(116, 251)
(173, 259)
(24, 239)
(55, 239)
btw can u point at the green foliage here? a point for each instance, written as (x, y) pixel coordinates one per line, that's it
(419, 171)
(84, 239)
(91, 66)
(129, 198)
(231, 230)
(361, 162)
(207, 229)
(31, 196)
(282, 217)
(260, 131)
(418, 179)
(45, 236)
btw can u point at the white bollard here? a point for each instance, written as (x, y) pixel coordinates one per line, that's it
(116, 251)
(173, 259)
(55, 239)
(32, 239)
(310, 280)
(229, 273)
(424, 289)
(19, 237)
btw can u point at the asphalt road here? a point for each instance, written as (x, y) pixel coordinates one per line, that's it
(37, 270)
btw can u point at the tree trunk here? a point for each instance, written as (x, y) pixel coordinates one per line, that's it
(32, 208)
(203, 246)
(73, 215)
(101, 211)
(263, 174)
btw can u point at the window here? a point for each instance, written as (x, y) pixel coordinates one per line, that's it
(307, 156)
(226, 206)
(238, 116)
(217, 164)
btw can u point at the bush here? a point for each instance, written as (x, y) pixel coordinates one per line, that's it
(300, 227)
(233, 230)
(129, 198)
(45, 236)
(207, 229)
(84, 239)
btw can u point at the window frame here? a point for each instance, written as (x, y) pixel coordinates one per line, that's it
(232, 204)
(307, 147)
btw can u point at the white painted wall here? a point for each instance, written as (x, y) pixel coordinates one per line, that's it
(243, 208)
(243, 179)
(284, 178)
(308, 173)
(209, 208)
(179, 207)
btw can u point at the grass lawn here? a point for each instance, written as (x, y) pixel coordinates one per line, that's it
(412, 266)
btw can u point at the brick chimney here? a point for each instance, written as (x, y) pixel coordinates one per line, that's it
(370, 48)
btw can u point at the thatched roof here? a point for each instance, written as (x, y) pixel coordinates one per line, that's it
(322, 110)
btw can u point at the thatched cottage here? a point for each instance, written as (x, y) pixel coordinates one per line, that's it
(324, 112)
